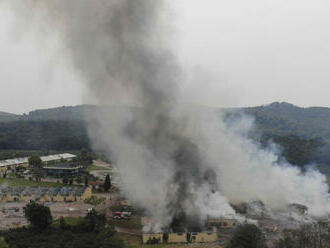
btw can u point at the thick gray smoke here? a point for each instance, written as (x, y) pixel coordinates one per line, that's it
(177, 160)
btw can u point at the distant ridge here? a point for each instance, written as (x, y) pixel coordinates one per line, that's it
(286, 119)
(5, 117)
(277, 118)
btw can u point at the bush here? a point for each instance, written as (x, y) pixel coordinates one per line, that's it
(248, 236)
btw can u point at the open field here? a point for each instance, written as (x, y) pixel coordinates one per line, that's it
(133, 223)
(19, 182)
(69, 221)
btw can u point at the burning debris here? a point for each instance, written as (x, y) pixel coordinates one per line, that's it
(298, 208)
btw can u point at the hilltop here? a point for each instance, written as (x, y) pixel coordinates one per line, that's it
(5, 117)
(287, 119)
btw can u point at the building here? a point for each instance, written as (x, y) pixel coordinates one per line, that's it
(63, 170)
(96, 185)
(45, 194)
(50, 159)
(152, 238)
(207, 236)
(222, 222)
(181, 236)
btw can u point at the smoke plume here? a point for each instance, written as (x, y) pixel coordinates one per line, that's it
(177, 160)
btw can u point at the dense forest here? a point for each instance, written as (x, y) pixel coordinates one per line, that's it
(303, 134)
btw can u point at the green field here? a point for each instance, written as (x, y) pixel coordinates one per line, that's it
(3, 243)
(18, 182)
(132, 223)
(69, 220)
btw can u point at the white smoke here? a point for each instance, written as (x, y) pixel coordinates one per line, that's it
(170, 153)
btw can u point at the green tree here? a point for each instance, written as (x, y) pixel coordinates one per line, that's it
(86, 181)
(35, 161)
(78, 180)
(107, 183)
(38, 215)
(248, 236)
(94, 221)
(36, 166)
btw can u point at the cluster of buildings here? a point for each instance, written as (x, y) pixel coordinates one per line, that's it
(45, 194)
(182, 235)
(57, 165)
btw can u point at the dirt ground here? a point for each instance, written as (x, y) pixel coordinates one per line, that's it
(12, 215)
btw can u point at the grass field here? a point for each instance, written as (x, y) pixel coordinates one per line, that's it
(95, 200)
(133, 223)
(69, 220)
(18, 182)
(3, 243)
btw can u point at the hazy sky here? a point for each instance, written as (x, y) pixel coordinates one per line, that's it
(243, 52)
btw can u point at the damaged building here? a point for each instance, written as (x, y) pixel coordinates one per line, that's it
(222, 222)
(178, 234)
(181, 236)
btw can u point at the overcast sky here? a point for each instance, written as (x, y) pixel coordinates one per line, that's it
(247, 52)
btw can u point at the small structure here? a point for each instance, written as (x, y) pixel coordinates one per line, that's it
(96, 184)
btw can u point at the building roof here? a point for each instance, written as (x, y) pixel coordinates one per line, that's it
(18, 161)
(40, 191)
(62, 166)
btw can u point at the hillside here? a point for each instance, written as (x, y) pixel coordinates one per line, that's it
(303, 133)
(5, 117)
(286, 119)
(67, 113)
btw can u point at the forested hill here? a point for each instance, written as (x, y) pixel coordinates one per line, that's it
(287, 119)
(5, 117)
(303, 133)
(60, 128)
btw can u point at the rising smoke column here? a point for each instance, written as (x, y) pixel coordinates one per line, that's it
(176, 160)
(121, 50)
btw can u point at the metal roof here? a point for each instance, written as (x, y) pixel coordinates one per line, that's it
(39, 191)
(18, 161)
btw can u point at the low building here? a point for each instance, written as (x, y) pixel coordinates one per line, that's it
(177, 235)
(96, 184)
(222, 222)
(63, 170)
(152, 238)
(207, 236)
(45, 194)
(50, 159)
